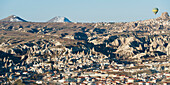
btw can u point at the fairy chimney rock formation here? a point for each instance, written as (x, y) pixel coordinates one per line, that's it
(165, 15)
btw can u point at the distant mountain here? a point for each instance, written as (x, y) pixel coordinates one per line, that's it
(13, 18)
(59, 19)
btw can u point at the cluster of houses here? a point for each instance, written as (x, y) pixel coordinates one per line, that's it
(76, 69)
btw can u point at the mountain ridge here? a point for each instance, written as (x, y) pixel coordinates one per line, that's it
(59, 19)
(13, 18)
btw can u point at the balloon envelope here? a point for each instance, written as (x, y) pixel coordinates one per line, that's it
(155, 10)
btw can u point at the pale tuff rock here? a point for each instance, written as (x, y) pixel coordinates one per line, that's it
(11, 51)
(125, 48)
(154, 45)
(123, 40)
(168, 49)
(165, 15)
(57, 43)
(116, 42)
(96, 42)
(140, 47)
(139, 55)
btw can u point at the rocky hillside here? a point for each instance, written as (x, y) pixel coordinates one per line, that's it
(124, 42)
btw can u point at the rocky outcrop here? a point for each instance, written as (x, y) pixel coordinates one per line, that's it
(165, 15)
(124, 40)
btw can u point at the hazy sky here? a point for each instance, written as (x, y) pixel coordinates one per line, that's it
(84, 10)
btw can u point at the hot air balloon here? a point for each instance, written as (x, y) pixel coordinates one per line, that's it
(155, 10)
